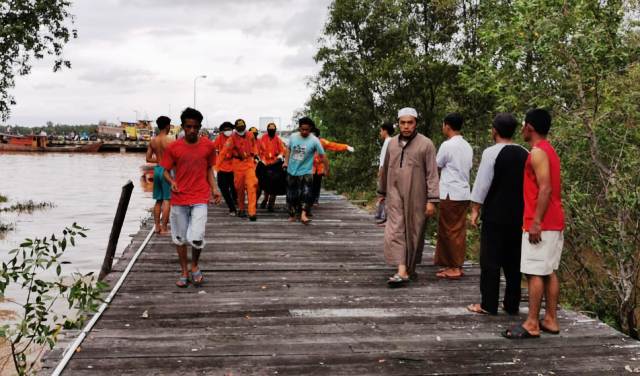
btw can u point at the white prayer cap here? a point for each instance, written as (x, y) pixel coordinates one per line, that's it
(408, 111)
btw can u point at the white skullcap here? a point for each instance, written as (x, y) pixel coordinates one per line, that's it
(408, 111)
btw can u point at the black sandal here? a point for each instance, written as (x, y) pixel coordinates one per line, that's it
(397, 281)
(518, 332)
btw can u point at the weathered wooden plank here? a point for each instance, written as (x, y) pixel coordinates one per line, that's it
(287, 299)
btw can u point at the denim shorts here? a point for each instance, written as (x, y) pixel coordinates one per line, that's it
(187, 224)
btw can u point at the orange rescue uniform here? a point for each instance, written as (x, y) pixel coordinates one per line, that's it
(269, 149)
(318, 166)
(223, 165)
(242, 150)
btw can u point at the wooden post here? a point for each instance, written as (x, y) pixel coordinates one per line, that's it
(123, 204)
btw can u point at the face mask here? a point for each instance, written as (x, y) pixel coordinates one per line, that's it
(271, 132)
(227, 133)
(241, 133)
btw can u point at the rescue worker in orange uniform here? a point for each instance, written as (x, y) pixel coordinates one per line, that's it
(224, 168)
(271, 151)
(318, 166)
(243, 149)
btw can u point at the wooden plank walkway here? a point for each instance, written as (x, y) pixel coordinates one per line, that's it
(285, 299)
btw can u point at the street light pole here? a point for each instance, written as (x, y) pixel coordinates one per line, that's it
(194, 88)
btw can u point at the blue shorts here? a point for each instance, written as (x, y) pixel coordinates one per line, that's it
(161, 187)
(187, 224)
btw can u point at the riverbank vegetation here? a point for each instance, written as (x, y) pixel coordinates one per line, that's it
(580, 59)
(38, 325)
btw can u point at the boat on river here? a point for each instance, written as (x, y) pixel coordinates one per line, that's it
(35, 143)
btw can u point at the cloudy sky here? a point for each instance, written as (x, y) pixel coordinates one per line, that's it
(140, 57)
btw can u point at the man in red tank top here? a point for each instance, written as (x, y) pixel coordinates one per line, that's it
(543, 226)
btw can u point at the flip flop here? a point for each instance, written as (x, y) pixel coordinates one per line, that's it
(306, 222)
(547, 330)
(444, 275)
(397, 281)
(182, 282)
(518, 332)
(477, 308)
(197, 278)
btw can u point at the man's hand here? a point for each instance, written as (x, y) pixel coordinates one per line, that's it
(430, 209)
(174, 187)
(535, 233)
(284, 166)
(380, 200)
(350, 149)
(216, 197)
(475, 215)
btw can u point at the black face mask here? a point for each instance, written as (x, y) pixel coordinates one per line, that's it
(271, 132)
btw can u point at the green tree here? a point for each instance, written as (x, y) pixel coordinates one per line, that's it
(30, 29)
(376, 57)
(581, 61)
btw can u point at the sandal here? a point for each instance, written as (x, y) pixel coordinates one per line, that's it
(518, 332)
(444, 275)
(546, 329)
(397, 281)
(477, 308)
(182, 282)
(197, 278)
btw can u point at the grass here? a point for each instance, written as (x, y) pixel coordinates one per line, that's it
(3, 198)
(27, 206)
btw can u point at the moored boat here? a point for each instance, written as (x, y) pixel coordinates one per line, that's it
(35, 143)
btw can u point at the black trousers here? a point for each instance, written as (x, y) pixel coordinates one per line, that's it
(299, 194)
(500, 249)
(227, 189)
(317, 184)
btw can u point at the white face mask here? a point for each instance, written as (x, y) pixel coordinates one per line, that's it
(241, 133)
(227, 133)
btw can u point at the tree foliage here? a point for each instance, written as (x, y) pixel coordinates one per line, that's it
(578, 58)
(30, 29)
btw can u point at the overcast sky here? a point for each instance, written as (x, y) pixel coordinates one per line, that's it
(143, 55)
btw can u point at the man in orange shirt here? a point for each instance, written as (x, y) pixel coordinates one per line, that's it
(241, 147)
(271, 151)
(318, 166)
(224, 168)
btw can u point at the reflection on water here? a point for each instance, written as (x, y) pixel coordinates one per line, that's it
(84, 188)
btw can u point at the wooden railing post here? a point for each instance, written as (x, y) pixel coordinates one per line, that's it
(123, 204)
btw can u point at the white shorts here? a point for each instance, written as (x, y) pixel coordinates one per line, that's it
(543, 258)
(187, 224)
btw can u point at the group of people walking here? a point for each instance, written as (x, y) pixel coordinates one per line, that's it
(516, 194)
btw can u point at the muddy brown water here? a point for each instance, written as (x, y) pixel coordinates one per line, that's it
(84, 188)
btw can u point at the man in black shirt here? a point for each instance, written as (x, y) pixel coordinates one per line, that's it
(498, 191)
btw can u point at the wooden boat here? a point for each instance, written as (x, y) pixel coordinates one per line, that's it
(39, 144)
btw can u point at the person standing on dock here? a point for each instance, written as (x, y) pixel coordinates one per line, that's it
(271, 150)
(318, 166)
(299, 164)
(543, 226)
(224, 167)
(408, 185)
(497, 192)
(161, 187)
(193, 158)
(241, 147)
(455, 159)
(386, 132)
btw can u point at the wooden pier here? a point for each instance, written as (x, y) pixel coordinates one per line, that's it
(284, 299)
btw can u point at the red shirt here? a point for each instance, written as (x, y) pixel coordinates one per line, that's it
(554, 217)
(192, 163)
(222, 164)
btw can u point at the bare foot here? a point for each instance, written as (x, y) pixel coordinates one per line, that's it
(292, 219)
(304, 219)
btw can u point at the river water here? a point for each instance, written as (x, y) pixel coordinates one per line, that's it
(84, 188)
